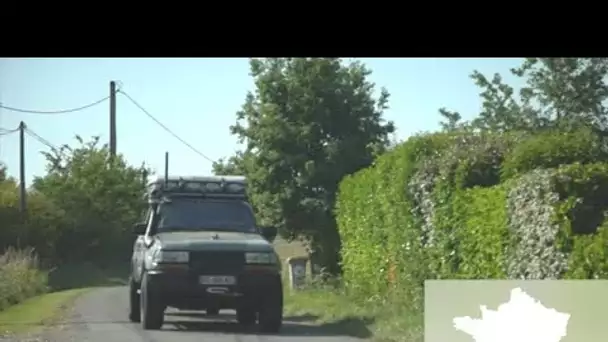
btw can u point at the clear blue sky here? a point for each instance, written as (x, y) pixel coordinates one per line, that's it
(197, 99)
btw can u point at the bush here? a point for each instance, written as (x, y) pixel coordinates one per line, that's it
(483, 238)
(534, 232)
(20, 277)
(42, 224)
(374, 217)
(558, 224)
(469, 161)
(397, 218)
(554, 148)
(80, 211)
(453, 206)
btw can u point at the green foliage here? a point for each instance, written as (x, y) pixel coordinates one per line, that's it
(364, 244)
(465, 160)
(2, 172)
(100, 198)
(437, 207)
(483, 238)
(376, 223)
(403, 211)
(564, 93)
(493, 197)
(20, 277)
(310, 122)
(81, 211)
(534, 233)
(557, 223)
(582, 215)
(42, 222)
(588, 256)
(232, 166)
(554, 148)
(584, 188)
(452, 121)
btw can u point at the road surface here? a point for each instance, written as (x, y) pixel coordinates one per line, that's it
(101, 316)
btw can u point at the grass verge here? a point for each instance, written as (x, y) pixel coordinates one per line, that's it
(337, 313)
(36, 313)
(382, 321)
(24, 314)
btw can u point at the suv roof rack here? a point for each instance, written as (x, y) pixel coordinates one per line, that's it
(232, 187)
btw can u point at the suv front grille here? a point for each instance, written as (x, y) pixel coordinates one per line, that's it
(217, 262)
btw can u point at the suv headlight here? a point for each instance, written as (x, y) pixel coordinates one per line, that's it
(260, 258)
(171, 257)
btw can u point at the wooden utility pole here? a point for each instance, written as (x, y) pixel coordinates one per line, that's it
(22, 190)
(112, 118)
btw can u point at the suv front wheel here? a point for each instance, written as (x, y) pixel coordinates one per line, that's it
(152, 310)
(246, 315)
(270, 316)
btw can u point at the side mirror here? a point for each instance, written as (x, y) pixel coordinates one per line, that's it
(269, 233)
(139, 228)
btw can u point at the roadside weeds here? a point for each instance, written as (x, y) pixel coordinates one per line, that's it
(338, 313)
(37, 313)
(379, 320)
(66, 283)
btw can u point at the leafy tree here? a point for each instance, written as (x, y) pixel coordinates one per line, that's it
(101, 198)
(231, 166)
(559, 92)
(500, 110)
(39, 229)
(310, 122)
(565, 92)
(2, 172)
(451, 120)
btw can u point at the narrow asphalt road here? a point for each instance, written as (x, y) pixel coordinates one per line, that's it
(101, 316)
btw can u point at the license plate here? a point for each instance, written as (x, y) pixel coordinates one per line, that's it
(217, 280)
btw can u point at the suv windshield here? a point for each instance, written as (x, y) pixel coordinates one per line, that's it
(205, 214)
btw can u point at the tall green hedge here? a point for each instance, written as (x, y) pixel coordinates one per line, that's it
(484, 234)
(554, 148)
(375, 221)
(476, 206)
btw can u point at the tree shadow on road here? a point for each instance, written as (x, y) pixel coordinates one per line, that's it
(304, 325)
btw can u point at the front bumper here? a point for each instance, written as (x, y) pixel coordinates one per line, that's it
(178, 286)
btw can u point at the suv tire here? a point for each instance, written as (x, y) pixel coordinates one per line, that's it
(270, 317)
(246, 315)
(152, 310)
(134, 305)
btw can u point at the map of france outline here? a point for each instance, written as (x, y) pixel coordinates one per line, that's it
(522, 319)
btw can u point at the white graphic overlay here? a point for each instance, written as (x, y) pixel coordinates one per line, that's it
(522, 319)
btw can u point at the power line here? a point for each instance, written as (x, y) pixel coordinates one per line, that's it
(163, 126)
(54, 112)
(41, 139)
(4, 131)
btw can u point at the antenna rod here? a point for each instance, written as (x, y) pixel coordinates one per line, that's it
(112, 119)
(166, 167)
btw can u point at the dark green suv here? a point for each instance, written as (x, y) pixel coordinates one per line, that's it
(199, 248)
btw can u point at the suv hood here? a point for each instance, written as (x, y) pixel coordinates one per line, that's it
(214, 240)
